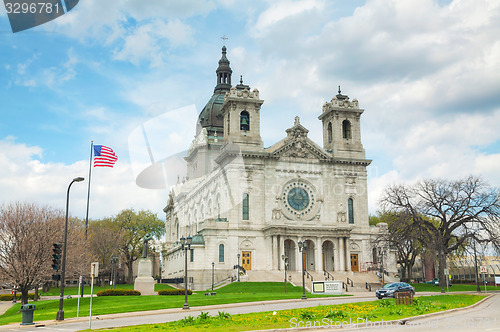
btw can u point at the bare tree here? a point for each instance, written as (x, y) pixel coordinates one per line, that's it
(403, 238)
(447, 213)
(27, 232)
(105, 240)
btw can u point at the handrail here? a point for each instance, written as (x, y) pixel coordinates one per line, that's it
(350, 281)
(308, 275)
(328, 275)
(368, 286)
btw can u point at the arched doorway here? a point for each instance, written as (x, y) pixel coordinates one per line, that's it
(290, 253)
(328, 260)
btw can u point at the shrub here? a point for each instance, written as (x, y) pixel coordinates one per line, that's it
(173, 291)
(118, 292)
(203, 316)
(10, 297)
(188, 320)
(336, 314)
(306, 314)
(224, 315)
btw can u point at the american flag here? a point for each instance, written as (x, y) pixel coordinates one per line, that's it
(104, 156)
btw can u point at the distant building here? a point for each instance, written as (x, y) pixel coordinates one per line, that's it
(240, 198)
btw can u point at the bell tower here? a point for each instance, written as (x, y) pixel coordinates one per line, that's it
(342, 128)
(241, 111)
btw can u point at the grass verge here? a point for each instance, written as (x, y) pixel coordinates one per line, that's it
(322, 316)
(232, 293)
(453, 288)
(73, 291)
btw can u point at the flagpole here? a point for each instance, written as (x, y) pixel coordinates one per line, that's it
(88, 193)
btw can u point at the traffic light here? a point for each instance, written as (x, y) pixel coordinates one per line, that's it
(56, 257)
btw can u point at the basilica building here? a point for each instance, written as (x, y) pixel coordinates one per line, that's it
(247, 205)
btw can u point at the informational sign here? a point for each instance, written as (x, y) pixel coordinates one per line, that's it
(497, 280)
(328, 287)
(94, 270)
(483, 269)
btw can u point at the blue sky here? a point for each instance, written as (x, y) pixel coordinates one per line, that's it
(426, 72)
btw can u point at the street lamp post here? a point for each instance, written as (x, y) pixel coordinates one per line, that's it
(60, 313)
(186, 245)
(303, 249)
(213, 268)
(475, 265)
(114, 260)
(238, 267)
(285, 259)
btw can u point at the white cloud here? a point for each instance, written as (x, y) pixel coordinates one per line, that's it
(24, 177)
(281, 10)
(147, 42)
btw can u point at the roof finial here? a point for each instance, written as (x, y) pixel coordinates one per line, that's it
(224, 38)
(241, 79)
(297, 121)
(339, 89)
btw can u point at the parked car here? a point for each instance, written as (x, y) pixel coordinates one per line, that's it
(394, 287)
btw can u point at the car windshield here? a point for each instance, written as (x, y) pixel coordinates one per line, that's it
(395, 285)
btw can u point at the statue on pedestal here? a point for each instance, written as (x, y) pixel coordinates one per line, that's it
(144, 282)
(147, 238)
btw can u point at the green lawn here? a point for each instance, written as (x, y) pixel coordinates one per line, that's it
(324, 316)
(53, 291)
(232, 293)
(453, 288)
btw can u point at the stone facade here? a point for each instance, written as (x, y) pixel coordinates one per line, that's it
(240, 198)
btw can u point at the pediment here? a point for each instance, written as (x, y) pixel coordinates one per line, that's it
(300, 148)
(298, 145)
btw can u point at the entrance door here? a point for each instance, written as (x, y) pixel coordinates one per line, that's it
(246, 261)
(323, 261)
(354, 263)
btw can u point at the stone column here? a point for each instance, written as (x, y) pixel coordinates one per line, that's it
(348, 254)
(319, 255)
(341, 254)
(274, 248)
(336, 256)
(298, 256)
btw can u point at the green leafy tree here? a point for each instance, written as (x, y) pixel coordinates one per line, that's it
(447, 213)
(135, 225)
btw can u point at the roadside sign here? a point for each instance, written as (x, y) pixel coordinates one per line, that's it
(94, 271)
(483, 269)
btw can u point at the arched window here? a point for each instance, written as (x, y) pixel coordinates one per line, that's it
(346, 129)
(350, 209)
(244, 121)
(245, 206)
(221, 253)
(329, 132)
